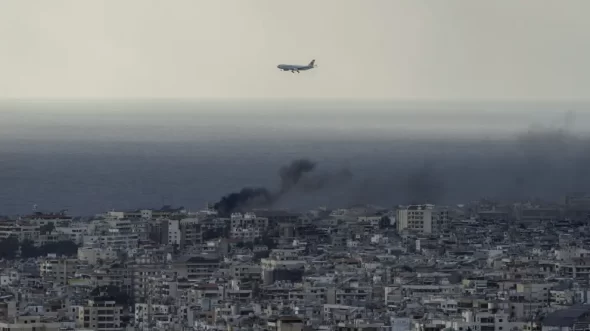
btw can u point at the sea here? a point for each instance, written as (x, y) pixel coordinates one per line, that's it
(91, 156)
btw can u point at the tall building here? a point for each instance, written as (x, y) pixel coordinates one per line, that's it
(247, 227)
(191, 233)
(102, 315)
(59, 270)
(425, 218)
(182, 233)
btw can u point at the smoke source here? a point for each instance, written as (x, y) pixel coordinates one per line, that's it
(245, 197)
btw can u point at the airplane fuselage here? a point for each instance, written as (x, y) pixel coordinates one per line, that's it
(296, 68)
(288, 67)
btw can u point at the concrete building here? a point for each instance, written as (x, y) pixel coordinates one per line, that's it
(94, 255)
(196, 267)
(35, 323)
(59, 270)
(113, 238)
(248, 226)
(101, 315)
(425, 218)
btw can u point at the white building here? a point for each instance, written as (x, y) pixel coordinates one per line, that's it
(113, 238)
(142, 313)
(247, 227)
(481, 321)
(75, 231)
(425, 218)
(93, 255)
(174, 234)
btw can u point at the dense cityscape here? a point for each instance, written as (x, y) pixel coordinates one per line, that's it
(481, 266)
(264, 165)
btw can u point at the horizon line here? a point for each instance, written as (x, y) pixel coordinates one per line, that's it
(306, 99)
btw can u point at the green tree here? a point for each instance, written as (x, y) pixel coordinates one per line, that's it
(268, 241)
(112, 292)
(9, 248)
(260, 255)
(65, 247)
(28, 249)
(47, 228)
(384, 222)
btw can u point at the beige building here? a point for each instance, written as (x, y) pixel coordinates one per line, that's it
(59, 269)
(101, 315)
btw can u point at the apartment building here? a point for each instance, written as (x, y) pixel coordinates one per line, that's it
(113, 238)
(35, 323)
(425, 218)
(58, 270)
(196, 267)
(247, 227)
(182, 233)
(101, 315)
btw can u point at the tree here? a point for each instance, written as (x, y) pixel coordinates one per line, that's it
(260, 255)
(66, 247)
(47, 228)
(268, 241)
(9, 248)
(28, 249)
(384, 222)
(112, 292)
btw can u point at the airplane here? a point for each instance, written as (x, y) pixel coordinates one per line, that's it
(293, 68)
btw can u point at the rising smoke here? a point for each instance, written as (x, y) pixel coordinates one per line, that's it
(246, 197)
(292, 173)
(540, 163)
(295, 175)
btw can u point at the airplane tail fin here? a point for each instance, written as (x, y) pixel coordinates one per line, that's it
(312, 63)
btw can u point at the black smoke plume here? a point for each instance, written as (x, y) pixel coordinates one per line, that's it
(542, 163)
(293, 175)
(246, 197)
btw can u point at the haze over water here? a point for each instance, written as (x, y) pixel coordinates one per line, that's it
(89, 157)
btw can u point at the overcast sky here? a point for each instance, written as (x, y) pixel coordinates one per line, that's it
(413, 49)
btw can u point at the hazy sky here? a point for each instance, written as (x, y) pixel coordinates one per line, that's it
(413, 49)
